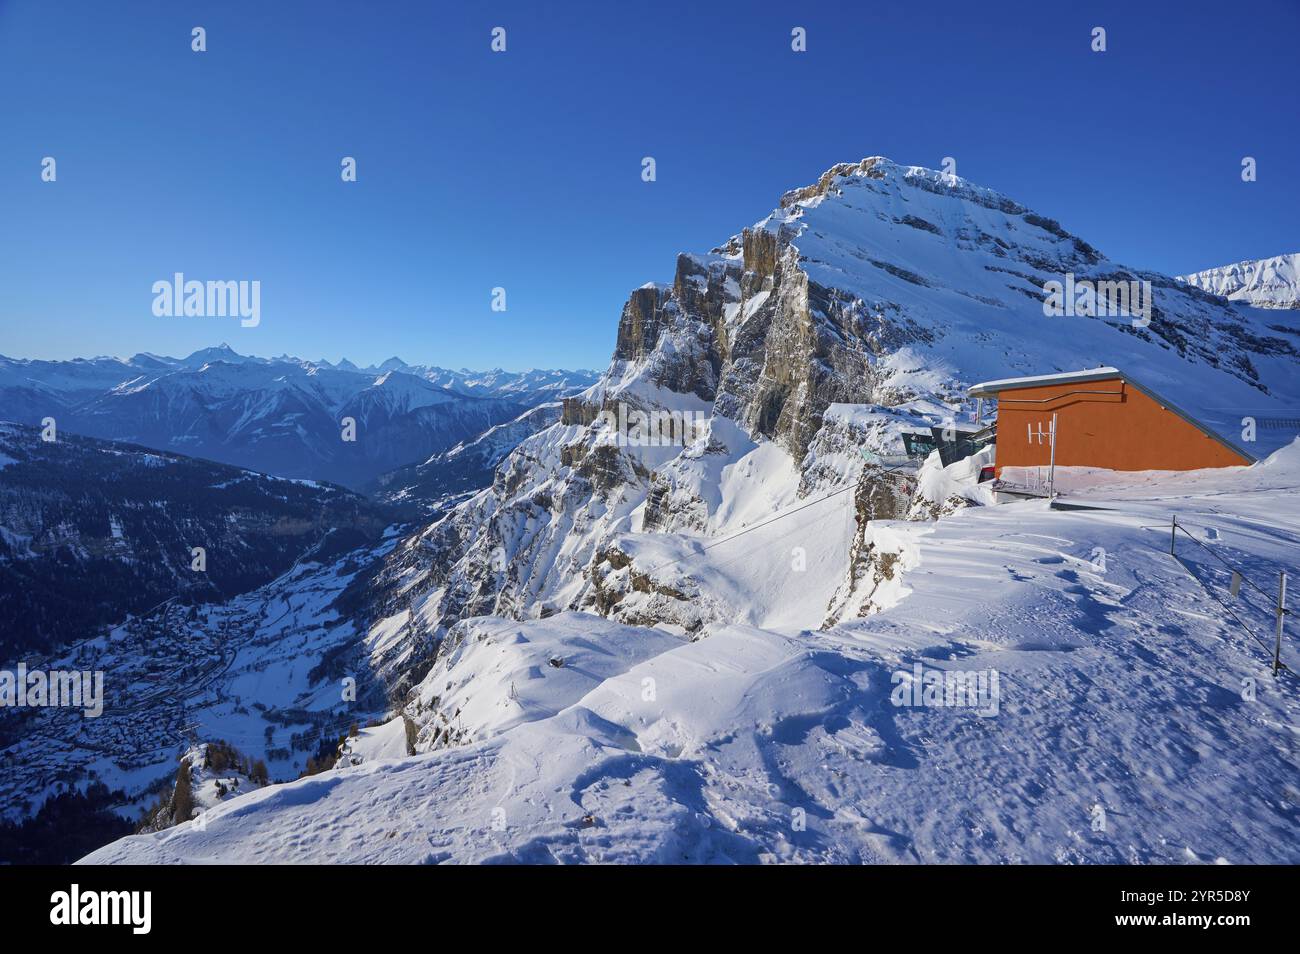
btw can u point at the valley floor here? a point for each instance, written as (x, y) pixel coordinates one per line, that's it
(1126, 729)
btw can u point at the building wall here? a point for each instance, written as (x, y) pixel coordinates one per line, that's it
(1119, 429)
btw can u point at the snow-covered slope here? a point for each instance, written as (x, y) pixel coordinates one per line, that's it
(1132, 722)
(386, 740)
(1266, 283)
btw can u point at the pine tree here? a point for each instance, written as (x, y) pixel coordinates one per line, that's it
(183, 799)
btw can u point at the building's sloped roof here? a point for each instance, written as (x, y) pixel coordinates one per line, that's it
(1042, 380)
(993, 388)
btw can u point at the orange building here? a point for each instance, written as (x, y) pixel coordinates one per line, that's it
(1104, 419)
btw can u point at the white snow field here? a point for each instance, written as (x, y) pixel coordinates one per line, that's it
(385, 741)
(1133, 720)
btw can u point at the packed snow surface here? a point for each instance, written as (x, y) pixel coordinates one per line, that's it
(1134, 721)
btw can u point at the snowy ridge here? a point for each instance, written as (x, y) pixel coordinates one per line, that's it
(1265, 283)
(469, 465)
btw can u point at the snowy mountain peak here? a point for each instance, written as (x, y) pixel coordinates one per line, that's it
(882, 168)
(222, 352)
(1265, 283)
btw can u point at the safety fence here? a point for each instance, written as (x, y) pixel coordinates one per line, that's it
(1275, 603)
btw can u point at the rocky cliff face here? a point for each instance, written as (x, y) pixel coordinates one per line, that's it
(864, 304)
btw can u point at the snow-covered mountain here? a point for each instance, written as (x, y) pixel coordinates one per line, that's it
(1265, 283)
(865, 303)
(687, 650)
(528, 387)
(280, 415)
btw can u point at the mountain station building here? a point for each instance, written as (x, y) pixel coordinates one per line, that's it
(1105, 419)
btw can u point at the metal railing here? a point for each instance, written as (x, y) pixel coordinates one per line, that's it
(1234, 589)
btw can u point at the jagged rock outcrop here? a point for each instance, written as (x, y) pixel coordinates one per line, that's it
(877, 556)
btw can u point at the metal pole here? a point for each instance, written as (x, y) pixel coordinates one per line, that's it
(1281, 612)
(1173, 534)
(1051, 465)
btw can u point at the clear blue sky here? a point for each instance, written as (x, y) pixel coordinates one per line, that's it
(522, 169)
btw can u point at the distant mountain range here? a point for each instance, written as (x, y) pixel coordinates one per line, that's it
(283, 416)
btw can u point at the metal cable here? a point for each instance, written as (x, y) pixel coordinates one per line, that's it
(779, 516)
(1208, 549)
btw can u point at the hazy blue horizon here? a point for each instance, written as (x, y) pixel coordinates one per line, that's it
(522, 169)
(314, 359)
